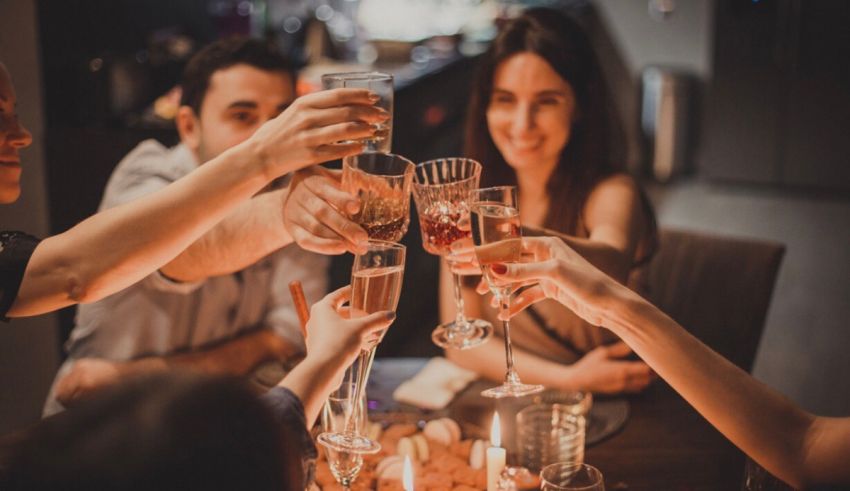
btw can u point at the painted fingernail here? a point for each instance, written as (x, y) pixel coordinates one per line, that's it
(374, 97)
(390, 316)
(499, 268)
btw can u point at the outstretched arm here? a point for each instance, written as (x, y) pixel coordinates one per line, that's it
(236, 356)
(251, 232)
(119, 246)
(794, 445)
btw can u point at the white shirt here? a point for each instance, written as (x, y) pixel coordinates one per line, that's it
(157, 316)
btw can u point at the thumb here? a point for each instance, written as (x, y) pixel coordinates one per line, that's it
(375, 322)
(618, 350)
(516, 272)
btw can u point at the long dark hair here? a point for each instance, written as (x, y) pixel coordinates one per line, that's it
(595, 148)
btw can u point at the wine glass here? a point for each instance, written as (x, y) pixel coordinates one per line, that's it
(571, 476)
(345, 464)
(497, 237)
(376, 279)
(441, 189)
(381, 181)
(382, 85)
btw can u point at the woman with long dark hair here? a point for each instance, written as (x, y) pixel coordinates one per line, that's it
(540, 119)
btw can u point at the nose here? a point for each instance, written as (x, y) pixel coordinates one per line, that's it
(19, 136)
(523, 118)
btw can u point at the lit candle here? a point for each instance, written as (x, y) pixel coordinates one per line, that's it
(495, 456)
(407, 475)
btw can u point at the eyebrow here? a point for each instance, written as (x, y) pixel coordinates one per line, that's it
(243, 104)
(549, 92)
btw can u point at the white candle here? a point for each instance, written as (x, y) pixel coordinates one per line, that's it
(407, 475)
(495, 456)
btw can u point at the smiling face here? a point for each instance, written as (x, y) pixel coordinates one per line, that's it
(237, 102)
(530, 113)
(13, 137)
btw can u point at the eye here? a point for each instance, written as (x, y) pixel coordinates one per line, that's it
(243, 116)
(548, 101)
(502, 99)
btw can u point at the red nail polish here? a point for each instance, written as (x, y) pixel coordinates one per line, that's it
(499, 268)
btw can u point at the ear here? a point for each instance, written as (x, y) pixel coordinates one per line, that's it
(188, 127)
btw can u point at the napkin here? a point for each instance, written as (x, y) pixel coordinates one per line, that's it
(435, 385)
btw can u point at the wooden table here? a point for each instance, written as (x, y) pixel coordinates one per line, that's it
(664, 445)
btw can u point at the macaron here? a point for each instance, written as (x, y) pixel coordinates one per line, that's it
(444, 431)
(478, 454)
(415, 446)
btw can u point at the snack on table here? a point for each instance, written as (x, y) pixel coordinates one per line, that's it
(442, 460)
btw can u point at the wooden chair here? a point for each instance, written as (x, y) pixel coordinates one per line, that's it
(718, 288)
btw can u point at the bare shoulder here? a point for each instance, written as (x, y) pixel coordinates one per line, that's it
(621, 189)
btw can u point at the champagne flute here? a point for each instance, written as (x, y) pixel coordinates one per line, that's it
(441, 189)
(381, 181)
(341, 405)
(375, 286)
(497, 237)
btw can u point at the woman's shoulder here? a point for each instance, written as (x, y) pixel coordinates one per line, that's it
(619, 188)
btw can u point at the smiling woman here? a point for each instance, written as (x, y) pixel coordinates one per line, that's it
(118, 247)
(541, 119)
(13, 137)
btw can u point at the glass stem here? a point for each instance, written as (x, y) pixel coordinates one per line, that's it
(511, 376)
(460, 319)
(365, 366)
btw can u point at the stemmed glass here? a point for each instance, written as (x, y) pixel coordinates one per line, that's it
(441, 189)
(571, 476)
(497, 236)
(381, 181)
(376, 279)
(341, 405)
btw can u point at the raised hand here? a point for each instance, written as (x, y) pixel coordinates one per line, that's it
(563, 275)
(334, 339)
(316, 211)
(309, 131)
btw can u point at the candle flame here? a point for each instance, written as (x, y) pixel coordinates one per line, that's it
(495, 432)
(407, 476)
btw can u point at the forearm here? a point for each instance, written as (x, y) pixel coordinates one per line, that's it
(615, 263)
(760, 421)
(488, 360)
(251, 232)
(238, 356)
(118, 247)
(312, 381)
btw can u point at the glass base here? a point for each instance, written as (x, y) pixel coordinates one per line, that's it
(512, 390)
(349, 442)
(473, 334)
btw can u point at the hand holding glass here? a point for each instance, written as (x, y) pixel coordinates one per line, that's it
(382, 85)
(375, 286)
(497, 236)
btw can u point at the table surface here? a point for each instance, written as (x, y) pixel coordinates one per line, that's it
(664, 445)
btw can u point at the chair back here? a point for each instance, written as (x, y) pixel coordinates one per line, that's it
(718, 288)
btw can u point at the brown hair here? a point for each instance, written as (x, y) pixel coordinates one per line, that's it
(595, 148)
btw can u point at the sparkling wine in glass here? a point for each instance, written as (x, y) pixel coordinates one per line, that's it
(497, 236)
(381, 181)
(376, 279)
(382, 85)
(441, 189)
